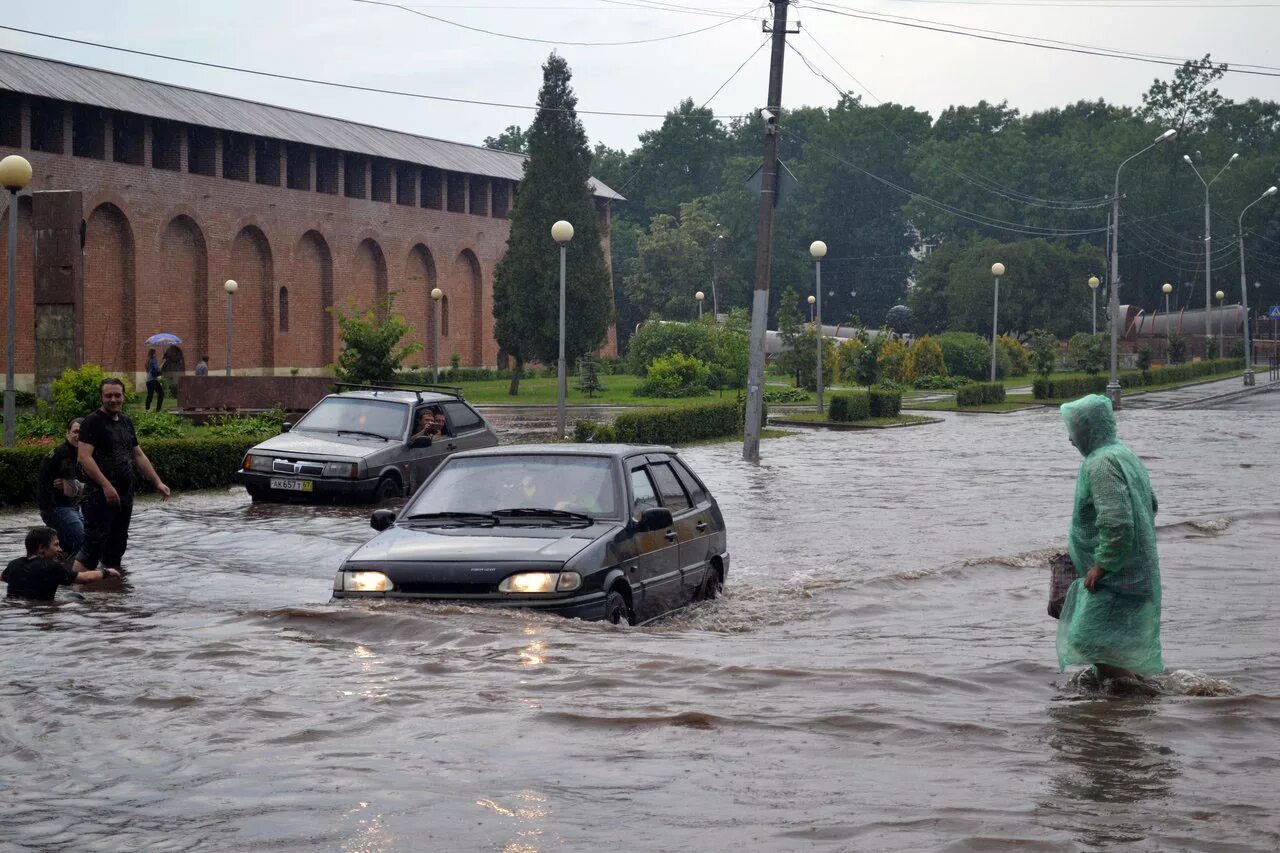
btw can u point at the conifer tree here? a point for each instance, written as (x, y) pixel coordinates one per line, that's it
(526, 289)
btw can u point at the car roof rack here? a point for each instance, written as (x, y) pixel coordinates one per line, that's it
(415, 387)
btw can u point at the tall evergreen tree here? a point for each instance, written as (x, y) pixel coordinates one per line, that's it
(526, 288)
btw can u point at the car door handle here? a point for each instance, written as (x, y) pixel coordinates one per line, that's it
(700, 526)
(449, 446)
(672, 535)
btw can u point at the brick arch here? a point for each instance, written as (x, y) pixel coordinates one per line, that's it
(252, 267)
(310, 339)
(468, 284)
(415, 302)
(370, 279)
(177, 303)
(110, 287)
(24, 346)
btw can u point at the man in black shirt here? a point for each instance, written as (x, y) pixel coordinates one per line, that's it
(39, 574)
(58, 490)
(108, 452)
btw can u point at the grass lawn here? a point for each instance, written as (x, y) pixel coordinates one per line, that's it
(1012, 403)
(869, 423)
(541, 390)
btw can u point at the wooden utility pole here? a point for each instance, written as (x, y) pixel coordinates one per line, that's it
(764, 236)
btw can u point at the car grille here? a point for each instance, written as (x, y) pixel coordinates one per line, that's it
(287, 466)
(428, 588)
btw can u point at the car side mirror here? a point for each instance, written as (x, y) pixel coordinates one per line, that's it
(420, 441)
(382, 519)
(654, 518)
(286, 426)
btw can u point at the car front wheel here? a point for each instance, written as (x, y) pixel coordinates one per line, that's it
(388, 489)
(711, 585)
(616, 611)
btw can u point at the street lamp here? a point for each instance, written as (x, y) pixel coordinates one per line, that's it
(818, 251)
(1166, 289)
(717, 246)
(562, 233)
(812, 300)
(436, 295)
(1222, 324)
(15, 174)
(230, 287)
(1093, 286)
(997, 270)
(1208, 265)
(1113, 313)
(1244, 288)
(699, 296)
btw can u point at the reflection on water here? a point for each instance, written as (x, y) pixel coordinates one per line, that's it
(880, 675)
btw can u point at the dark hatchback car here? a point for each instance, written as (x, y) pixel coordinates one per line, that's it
(622, 533)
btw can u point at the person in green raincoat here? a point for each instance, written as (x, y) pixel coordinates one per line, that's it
(1111, 616)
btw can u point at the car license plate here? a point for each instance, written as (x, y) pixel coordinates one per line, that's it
(291, 485)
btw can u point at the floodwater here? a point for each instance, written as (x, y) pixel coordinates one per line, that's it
(880, 675)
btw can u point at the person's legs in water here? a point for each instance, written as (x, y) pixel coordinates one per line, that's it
(97, 524)
(1107, 671)
(117, 538)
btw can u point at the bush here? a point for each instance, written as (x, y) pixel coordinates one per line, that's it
(978, 393)
(655, 339)
(965, 354)
(1055, 389)
(847, 358)
(787, 395)
(939, 383)
(76, 392)
(675, 375)
(925, 359)
(158, 424)
(885, 403)
(1044, 351)
(28, 426)
(850, 406)
(371, 350)
(1177, 348)
(674, 425)
(893, 360)
(1088, 353)
(257, 427)
(1016, 352)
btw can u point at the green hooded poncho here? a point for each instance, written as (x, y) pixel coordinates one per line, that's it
(1112, 526)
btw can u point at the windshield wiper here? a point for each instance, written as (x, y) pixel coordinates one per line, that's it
(464, 517)
(360, 432)
(539, 512)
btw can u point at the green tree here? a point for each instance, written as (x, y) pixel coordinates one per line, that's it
(371, 350)
(924, 358)
(589, 376)
(1088, 352)
(732, 350)
(1044, 351)
(866, 370)
(526, 282)
(1188, 102)
(513, 139)
(672, 263)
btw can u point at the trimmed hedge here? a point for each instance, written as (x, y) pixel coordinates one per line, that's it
(853, 406)
(885, 404)
(978, 393)
(1046, 388)
(183, 464)
(675, 425)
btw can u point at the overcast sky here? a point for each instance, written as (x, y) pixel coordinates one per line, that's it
(353, 42)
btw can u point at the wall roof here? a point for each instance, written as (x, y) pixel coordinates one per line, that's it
(80, 84)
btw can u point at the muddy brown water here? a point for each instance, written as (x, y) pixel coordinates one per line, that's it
(880, 675)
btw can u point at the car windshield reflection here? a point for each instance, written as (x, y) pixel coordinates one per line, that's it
(522, 486)
(376, 418)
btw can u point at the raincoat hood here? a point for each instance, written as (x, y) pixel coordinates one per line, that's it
(1090, 423)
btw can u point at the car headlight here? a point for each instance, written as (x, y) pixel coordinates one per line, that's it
(341, 469)
(362, 582)
(255, 462)
(535, 582)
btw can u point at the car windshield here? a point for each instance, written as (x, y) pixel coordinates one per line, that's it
(487, 484)
(358, 416)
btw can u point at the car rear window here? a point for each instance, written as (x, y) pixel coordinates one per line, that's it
(669, 487)
(462, 417)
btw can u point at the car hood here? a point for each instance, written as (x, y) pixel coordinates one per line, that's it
(322, 445)
(490, 545)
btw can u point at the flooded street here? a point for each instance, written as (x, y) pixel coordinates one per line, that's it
(881, 674)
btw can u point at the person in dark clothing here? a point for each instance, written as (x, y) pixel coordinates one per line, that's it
(58, 490)
(108, 453)
(39, 574)
(154, 385)
(202, 369)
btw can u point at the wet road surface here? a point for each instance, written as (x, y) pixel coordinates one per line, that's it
(880, 676)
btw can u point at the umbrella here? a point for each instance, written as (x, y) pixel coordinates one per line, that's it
(163, 339)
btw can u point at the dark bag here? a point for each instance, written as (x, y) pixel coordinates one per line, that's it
(1062, 573)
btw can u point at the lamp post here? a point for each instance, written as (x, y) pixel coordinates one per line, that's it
(1208, 265)
(1093, 286)
(230, 287)
(436, 295)
(699, 296)
(1166, 288)
(717, 246)
(15, 174)
(1244, 287)
(997, 270)
(811, 300)
(1222, 324)
(1113, 312)
(562, 233)
(817, 251)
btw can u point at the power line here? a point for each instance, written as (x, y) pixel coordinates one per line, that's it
(1041, 43)
(515, 37)
(735, 73)
(330, 83)
(1099, 4)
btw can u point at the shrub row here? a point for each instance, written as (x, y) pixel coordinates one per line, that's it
(183, 463)
(863, 405)
(674, 425)
(1046, 388)
(977, 393)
